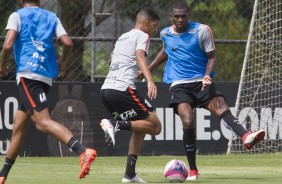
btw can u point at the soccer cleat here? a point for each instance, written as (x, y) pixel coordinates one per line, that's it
(109, 130)
(2, 180)
(193, 175)
(251, 138)
(135, 179)
(86, 159)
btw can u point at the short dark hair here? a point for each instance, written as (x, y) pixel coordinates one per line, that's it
(30, 1)
(149, 13)
(180, 5)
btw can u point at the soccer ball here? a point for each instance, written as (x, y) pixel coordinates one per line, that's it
(176, 171)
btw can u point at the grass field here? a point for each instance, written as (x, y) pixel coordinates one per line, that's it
(219, 169)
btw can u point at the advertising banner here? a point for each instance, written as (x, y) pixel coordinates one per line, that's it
(78, 107)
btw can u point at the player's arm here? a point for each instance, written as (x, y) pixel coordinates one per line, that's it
(12, 30)
(67, 46)
(160, 58)
(142, 64)
(11, 36)
(206, 38)
(209, 68)
(211, 62)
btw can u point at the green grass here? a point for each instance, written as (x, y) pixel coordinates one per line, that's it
(242, 169)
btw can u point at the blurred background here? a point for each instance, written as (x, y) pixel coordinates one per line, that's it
(94, 26)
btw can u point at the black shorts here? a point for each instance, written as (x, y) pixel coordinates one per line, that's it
(192, 94)
(33, 94)
(126, 105)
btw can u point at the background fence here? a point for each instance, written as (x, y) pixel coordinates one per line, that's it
(94, 25)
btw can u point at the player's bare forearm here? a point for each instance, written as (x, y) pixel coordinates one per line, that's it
(160, 58)
(67, 47)
(7, 49)
(209, 68)
(211, 63)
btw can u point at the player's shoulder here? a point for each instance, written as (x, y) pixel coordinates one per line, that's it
(15, 15)
(136, 32)
(139, 34)
(204, 27)
(166, 31)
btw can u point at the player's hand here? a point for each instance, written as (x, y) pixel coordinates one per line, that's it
(152, 90)
(206, 81)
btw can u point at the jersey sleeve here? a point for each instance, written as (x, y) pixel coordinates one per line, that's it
(14, 22)
(60, 30)
(206, 38)
(143, 41)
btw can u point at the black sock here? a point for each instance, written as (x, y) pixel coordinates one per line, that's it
(76, 146)
(130, 166)
(233, 123)
(122, 125)
(189, 140)
(7, 167)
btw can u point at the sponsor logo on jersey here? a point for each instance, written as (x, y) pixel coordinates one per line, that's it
(192, 31)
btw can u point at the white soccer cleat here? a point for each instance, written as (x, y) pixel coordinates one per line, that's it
(109, 130)
(251, 138)
(135, 179)
(193, 175)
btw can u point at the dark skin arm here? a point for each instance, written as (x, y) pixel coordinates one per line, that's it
(209, 68)
(160, 58)
(67, 46)
(11, 36)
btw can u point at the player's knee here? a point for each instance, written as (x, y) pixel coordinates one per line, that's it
(188, 124)
(41, 126)
(157, 128)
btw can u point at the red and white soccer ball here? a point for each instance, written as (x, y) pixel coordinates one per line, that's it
(176, 171)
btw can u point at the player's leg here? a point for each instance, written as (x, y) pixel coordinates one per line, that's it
(135, 144)
(19, 129)
(185, 111)
(32, 93)
(150, 125)
(218, 106)
(183, 103)
(130, 112)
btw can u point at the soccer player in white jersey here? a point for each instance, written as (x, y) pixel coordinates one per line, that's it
(129, 109)
(188, 48)
(30, 31)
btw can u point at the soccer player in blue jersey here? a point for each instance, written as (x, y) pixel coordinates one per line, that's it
(188, 48)
(30, 31)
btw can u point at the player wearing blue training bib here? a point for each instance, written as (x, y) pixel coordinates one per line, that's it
(186, 59)
(30, 32)
(188, 48)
